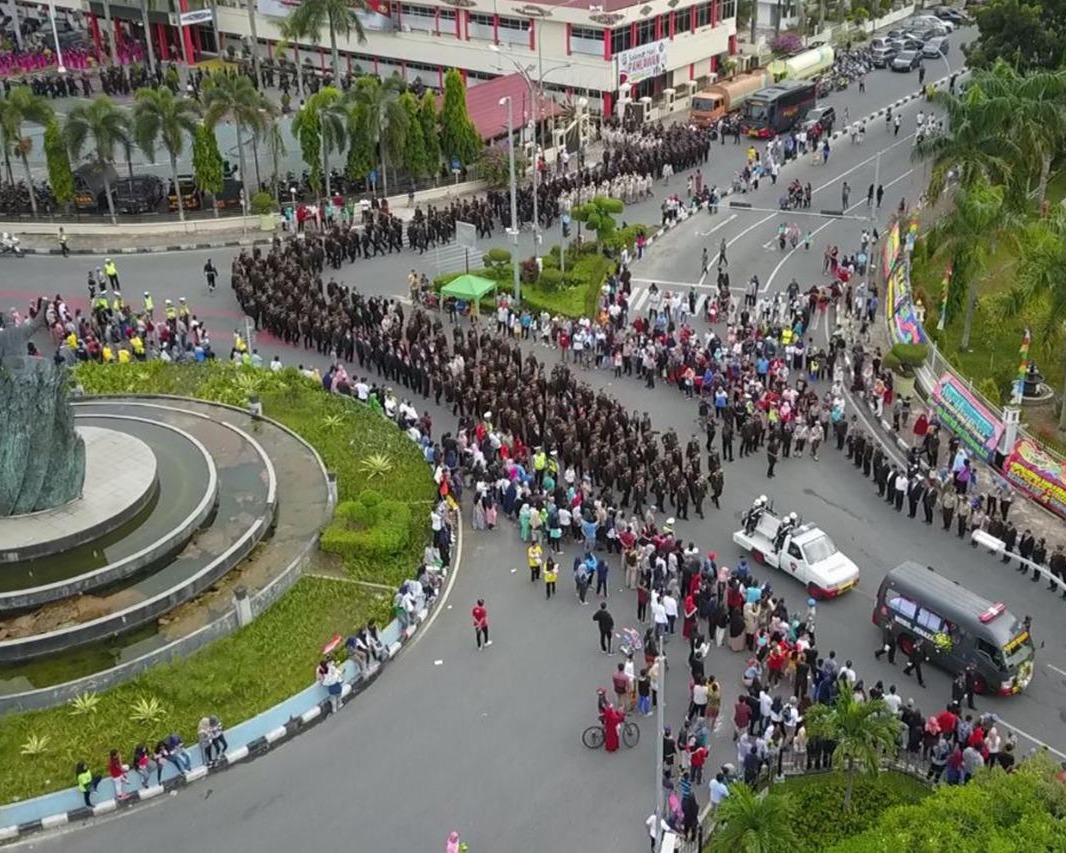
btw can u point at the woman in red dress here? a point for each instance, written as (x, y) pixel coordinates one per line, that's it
(612, 719)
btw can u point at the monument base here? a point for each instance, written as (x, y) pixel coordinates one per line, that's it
(120, 476)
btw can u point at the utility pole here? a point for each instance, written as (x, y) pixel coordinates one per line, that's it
(517, 289)
(660, 723)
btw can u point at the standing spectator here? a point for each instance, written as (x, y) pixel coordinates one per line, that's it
(551, 575)
(605, 622)
(117, 771)
(87, 782)
(481, 624)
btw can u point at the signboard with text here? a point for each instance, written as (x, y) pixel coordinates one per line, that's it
(1038, 474)
(960, 411)
(196, 16)
(642, 63)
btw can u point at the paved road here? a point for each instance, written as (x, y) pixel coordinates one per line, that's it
(489, 742)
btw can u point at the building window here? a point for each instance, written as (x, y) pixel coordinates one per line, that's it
(729, 9)
(482, 27)
(520, 25)
(682, 21)
(703, 15)
(645, 32)
(621, 39)
(586, 40)
(422, 19)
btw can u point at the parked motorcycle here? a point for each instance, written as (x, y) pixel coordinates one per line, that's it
(11, 245)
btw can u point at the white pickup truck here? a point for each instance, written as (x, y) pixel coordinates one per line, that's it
(807, 554)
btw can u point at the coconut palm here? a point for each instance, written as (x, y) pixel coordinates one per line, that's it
(321, 126)
(747, 822)
(339, 16)
(967, 237)
(1038, 282)
(379, 120)
(975, 148)
(16, 109)
(863, 733)
(108, 127)
(234, 98)
(159, 116)
(291, 37)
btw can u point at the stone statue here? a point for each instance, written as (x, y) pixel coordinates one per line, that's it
(42, 458)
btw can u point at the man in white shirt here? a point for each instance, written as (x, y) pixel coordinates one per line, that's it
(893, 700)
(275, 364)
(658, 615)
(362, 391)
(846, 671)
(719, 790)
(670, 608)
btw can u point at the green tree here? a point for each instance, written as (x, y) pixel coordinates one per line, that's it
(60, 176)
(338, 16)
(459, 138)
(430, 121)
(1039, 287)
(749, 823)
(1026, 35)
(494, 165)
(321, 126)
(598, 215)
(206, 164)
(107, 127)
(234, 97)
(381, 120)
(16, 109)
(307, 128)
(415, 156)
(967, 237)
(995, 811)
(863, 733)
(161, 118)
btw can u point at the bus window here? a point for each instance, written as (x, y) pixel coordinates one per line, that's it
(930, 620)
(903, 606)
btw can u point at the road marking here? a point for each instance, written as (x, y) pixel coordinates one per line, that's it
(820, 228)
(828, 183)
(721, 224)
(674, 283)
(452, 575)
(1030, 737)
(1052, 666)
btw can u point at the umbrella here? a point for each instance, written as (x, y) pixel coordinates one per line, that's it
(332, 644)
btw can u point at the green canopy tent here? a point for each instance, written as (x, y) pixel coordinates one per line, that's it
(469, 288)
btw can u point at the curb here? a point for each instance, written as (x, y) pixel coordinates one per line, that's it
(295, 725)
(152, 250)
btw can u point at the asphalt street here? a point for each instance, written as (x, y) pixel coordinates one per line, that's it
(489, 742)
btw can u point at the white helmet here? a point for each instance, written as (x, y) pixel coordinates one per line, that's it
(793, 517)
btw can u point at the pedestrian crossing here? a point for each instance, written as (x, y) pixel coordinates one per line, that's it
(640, 293)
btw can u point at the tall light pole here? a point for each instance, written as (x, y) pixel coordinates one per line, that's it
(517, 288)
(55, 35)
(660, 722)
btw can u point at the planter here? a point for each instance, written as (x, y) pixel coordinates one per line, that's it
(267, 221)
(903, 385)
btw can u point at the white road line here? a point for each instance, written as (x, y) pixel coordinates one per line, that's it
(697, 285)
(1052, 666)
(815, 232)
(1031, 738)
(721, 224)
(828, 183)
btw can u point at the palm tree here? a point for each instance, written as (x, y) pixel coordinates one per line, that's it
(1039, 282)
(333, 125)
(160, 116)
(747, 822)
(863, 733)
(108, 127)
(308, 19)
(290, 37)
(235, 98)
(974, 148)
(17, 108)
(379, 119)
(967, 237)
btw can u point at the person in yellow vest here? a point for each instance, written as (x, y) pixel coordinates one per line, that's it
(535, 558)
(102, 302)
(149, 305)
(238, 342)
(123, 356)
(137, 345)
(171, 313)
(111, 271)
(551, 575)
(183, 309)
(116, 303)
(72, 341)
(106, 354)
(540, 462)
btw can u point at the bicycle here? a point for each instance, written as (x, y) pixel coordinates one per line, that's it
(594, 736)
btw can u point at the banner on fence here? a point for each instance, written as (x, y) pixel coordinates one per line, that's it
(903, 317)
(977, 427)
(1038, 474)
(890, 250)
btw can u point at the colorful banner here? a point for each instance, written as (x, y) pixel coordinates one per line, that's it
(642, 63)
(961, 412)
(1023, 366)
(904, 318)
(1038, 474)
(945, 284)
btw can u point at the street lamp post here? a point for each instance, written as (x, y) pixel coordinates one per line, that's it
(517, 288)
(660, 723)
(55, 34)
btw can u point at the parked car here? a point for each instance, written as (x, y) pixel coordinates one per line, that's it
(819, 120)
(931, 22)
(950, 13)
(908, 60)
(936, 48)
(881, 56)
(910, 42)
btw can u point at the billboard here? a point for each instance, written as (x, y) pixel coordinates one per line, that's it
(978, 428)
(1038, 474)
(642, 63)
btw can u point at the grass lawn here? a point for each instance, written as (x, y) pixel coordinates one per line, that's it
(817, 799)
(275, 656)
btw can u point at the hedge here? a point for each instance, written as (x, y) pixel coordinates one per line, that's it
(367, 528)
